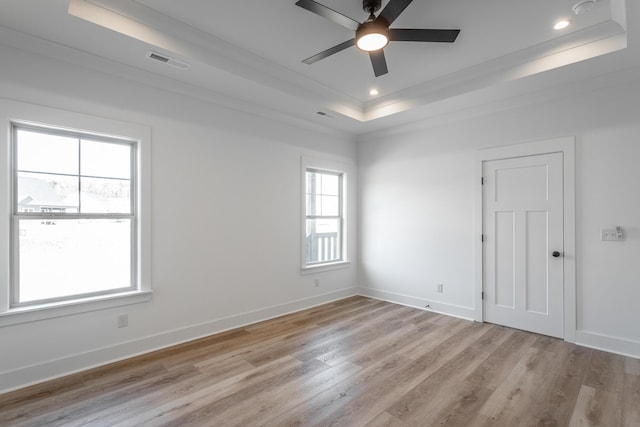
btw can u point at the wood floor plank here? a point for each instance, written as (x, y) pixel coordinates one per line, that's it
(366, 345)
(215, 412)
(118, 385)
(424, 402)
(421, 316)
(355, 362)
(368, 355)
(277, 401)
(484, 380)
(264, 349)
(317, 410)
(317, 347)
(335, 313)
(596, 408)
(191, 402)
(432, 339)
(580, 416)
(631, 401)
(514, 395)
(385, 420)
(306, 348)
(554, 404)
(631, 366)
(606, 371)
(172, 387)
(431, 361)
(82, 410)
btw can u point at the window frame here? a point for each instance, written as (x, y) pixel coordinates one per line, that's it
(95, 128)
(339, 217)
(334, 168)
(51, 215)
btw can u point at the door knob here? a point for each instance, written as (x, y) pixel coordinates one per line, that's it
(555, 254)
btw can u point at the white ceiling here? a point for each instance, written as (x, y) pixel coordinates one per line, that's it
(285, 34)
(247, 53)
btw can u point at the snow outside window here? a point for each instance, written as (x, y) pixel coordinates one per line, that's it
(74, 216)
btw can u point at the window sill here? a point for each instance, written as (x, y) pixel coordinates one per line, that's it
(325, 267)
(35, 313)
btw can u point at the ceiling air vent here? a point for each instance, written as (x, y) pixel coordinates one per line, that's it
(167, 60)
(583, 6)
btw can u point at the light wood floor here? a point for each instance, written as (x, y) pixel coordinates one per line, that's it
(354, 362)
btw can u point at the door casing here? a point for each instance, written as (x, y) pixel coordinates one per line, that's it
(566, 146)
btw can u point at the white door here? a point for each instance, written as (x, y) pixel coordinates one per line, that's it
(523, 243)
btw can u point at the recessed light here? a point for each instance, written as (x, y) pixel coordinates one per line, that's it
(373, 92)
(561, 24)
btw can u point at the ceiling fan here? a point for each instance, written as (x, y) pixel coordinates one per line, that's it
(374, 34)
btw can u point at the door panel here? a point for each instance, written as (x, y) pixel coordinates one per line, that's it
(523, 225)
(538, 262)
(504, 280)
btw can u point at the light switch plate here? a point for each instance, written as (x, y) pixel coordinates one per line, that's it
(611, 234)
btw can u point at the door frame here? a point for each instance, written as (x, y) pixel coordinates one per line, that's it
(566, 146)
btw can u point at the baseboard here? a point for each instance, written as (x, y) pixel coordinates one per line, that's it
(49, 370)
(608, 343)
(466, 313)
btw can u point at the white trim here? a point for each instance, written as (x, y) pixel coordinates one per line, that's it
(325, 267)
(608, 343)
(33, 313)
(566, 146)
(461, 312)
(41, 116)
(29, 375)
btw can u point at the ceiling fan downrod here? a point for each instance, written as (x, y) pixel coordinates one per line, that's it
(371, 6)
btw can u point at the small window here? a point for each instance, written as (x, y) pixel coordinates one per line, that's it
(74, 223)
(324, 217)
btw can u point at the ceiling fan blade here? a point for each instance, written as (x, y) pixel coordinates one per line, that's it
(420, 35)
(393, 9)
(378, 62)
(337, 48)
(328, 13)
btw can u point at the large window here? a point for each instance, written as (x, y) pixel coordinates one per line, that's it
(75, 207)
(324, 217)
(74, 217)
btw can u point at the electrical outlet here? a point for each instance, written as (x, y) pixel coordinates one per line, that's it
(123, 321)
(440, 287)
(316, 283)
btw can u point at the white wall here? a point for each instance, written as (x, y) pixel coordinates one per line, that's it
(225, 221)
(417, 205)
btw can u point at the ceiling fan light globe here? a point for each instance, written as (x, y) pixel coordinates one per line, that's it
(372, 42)
(372, 36)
